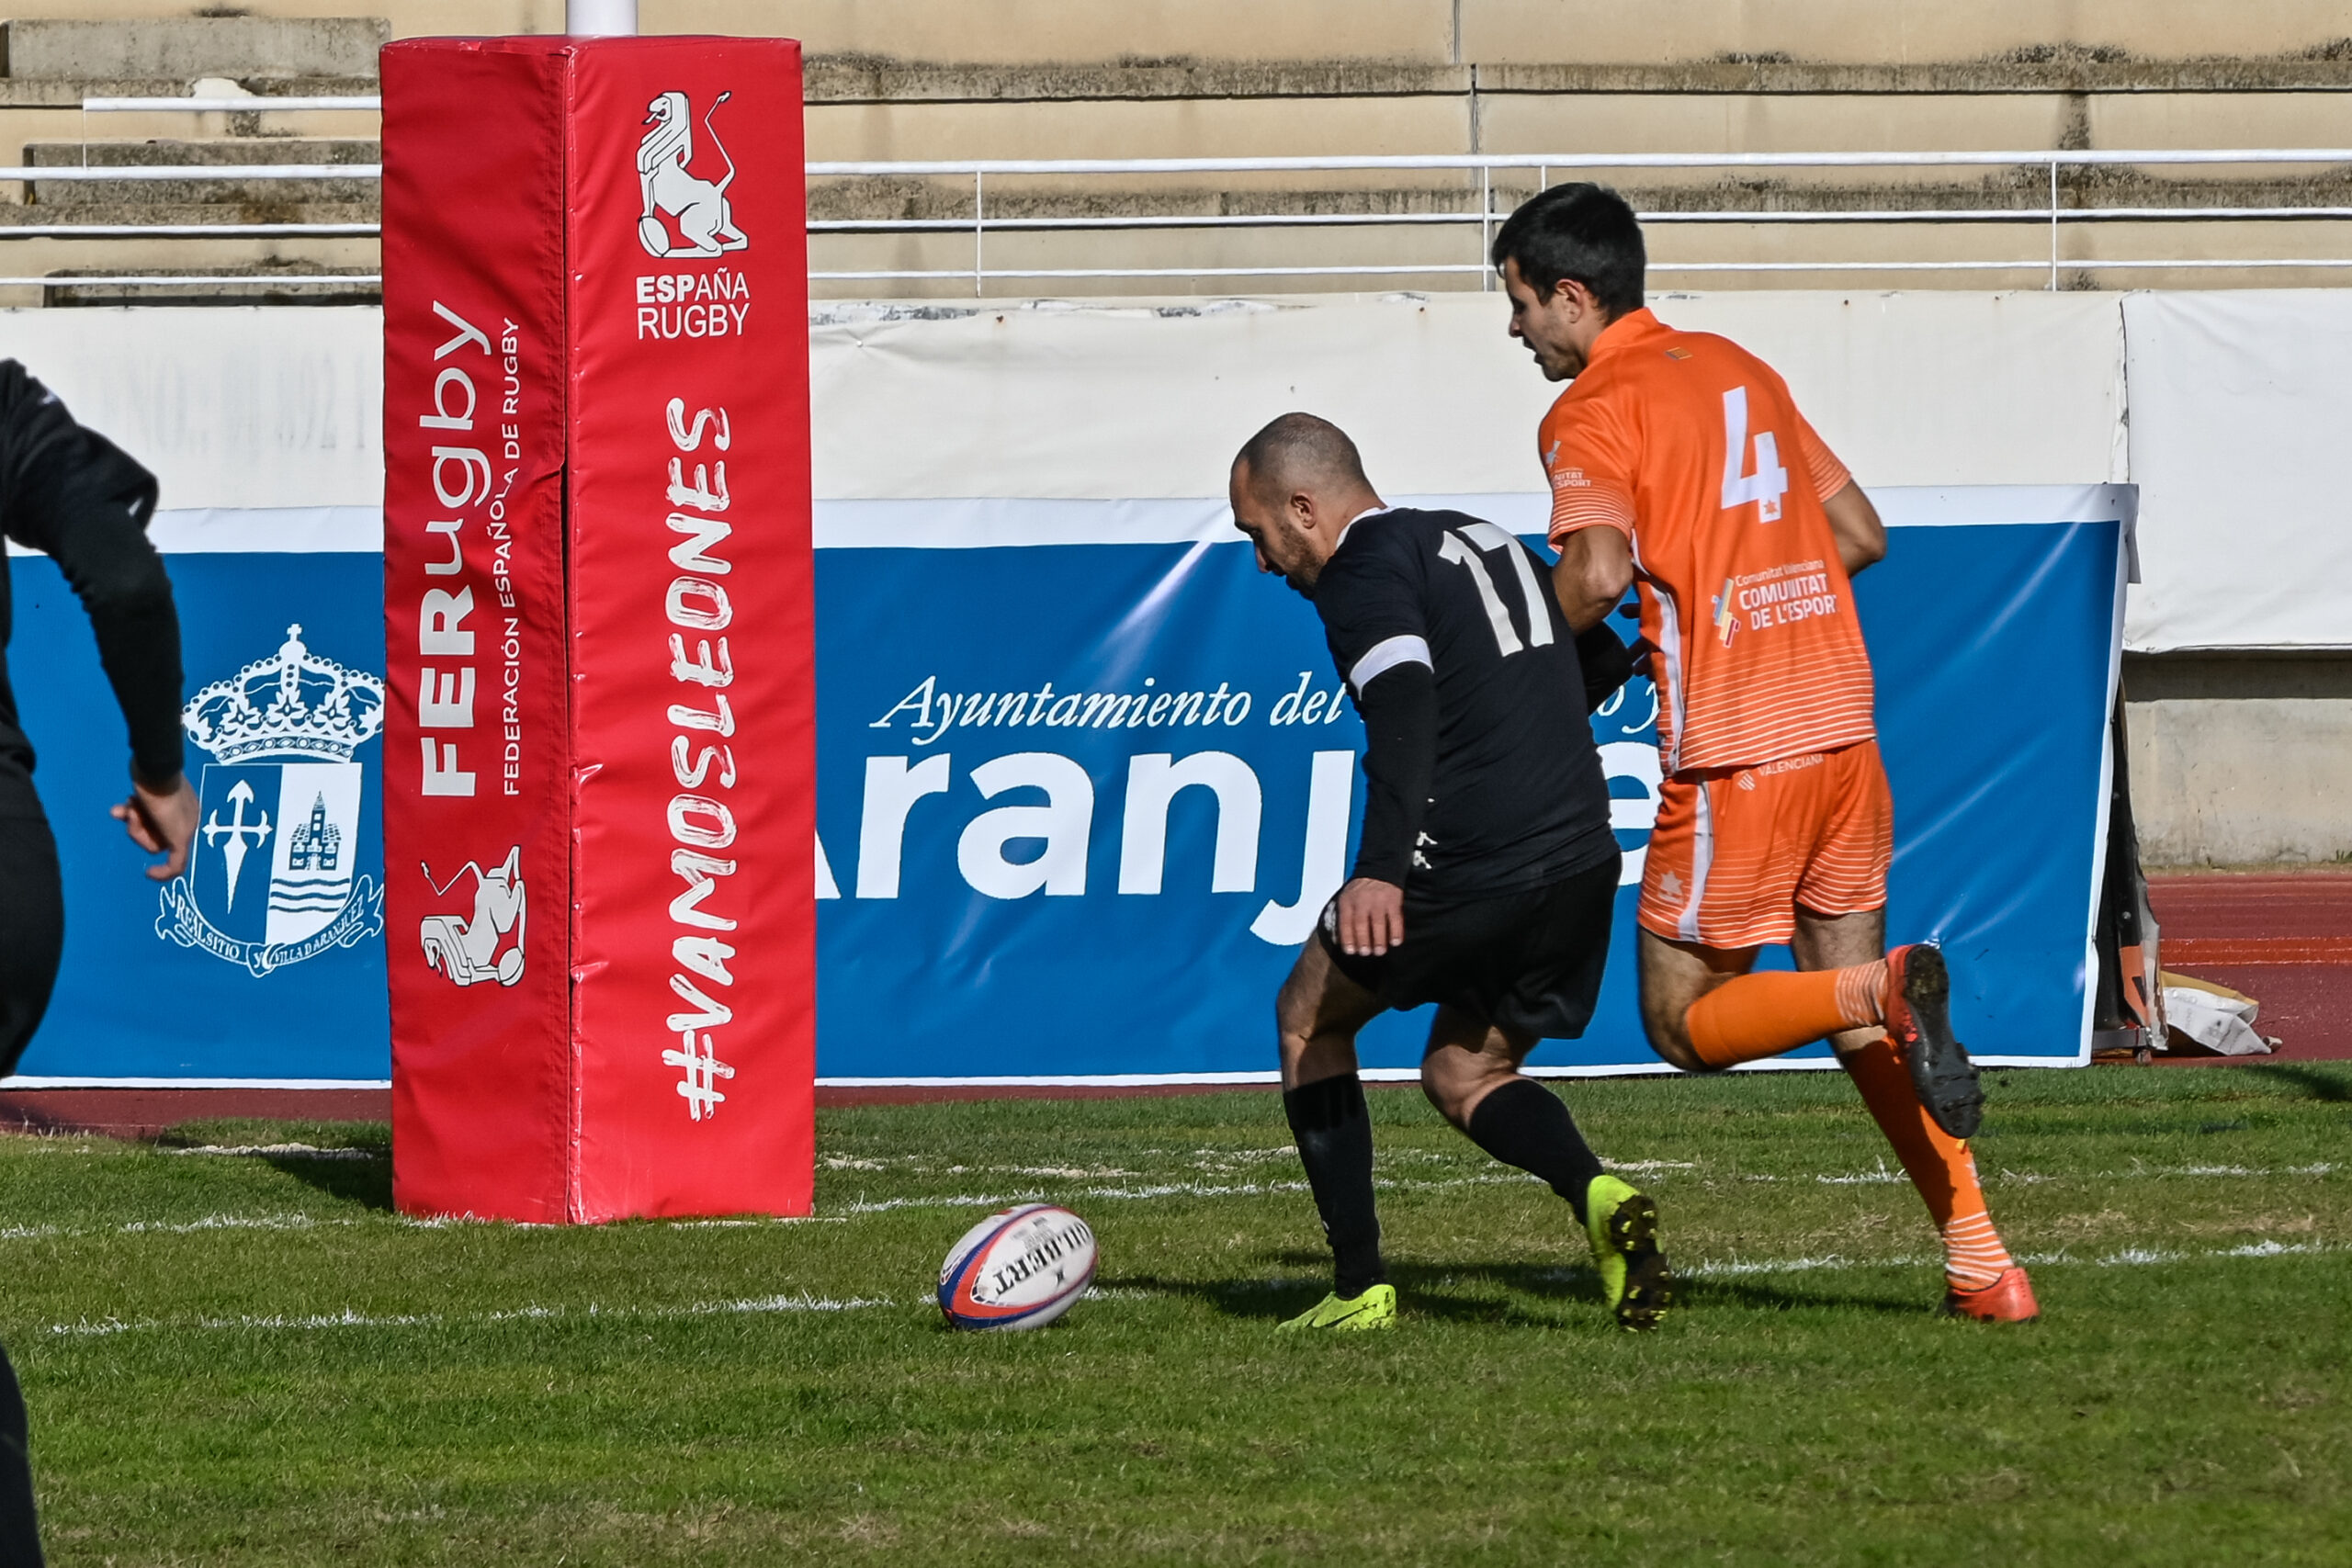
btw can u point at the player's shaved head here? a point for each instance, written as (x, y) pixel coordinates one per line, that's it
(1299, 451)
(1294, 487)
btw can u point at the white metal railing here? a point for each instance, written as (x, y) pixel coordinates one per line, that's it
(2051, 215)
(247, 104)
(78, 171)
(241, 280)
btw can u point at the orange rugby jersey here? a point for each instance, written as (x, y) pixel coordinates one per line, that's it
(1692, 448)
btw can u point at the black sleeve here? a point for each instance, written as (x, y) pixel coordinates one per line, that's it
(1607, 664)
(1371, 601)
(75, 496)
(1399, 709)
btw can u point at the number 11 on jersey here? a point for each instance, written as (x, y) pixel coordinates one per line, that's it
(1462, 547)
(1770, 482)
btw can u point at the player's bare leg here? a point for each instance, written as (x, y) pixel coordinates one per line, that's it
(1706, 1012)
(1316, 1014)
(1467, 1060)
(1471, 1073)
(1981, 1278)
(1674, 976)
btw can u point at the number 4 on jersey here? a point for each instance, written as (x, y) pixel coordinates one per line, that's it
(1770, 482)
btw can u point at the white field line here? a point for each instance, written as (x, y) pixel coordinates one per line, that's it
(844, 1213)
(347, 1318)
(229, 1223)
(1167, 1190)
(2032, 1177)
(1736, 1268)
(314, 1221)
(1880, 1176)
(279, 1151)
(2133, 1256)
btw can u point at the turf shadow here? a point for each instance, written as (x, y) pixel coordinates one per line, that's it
(1264, 1300)
(367, 1182)
(1234, 1298)
(1700, 1291)
(1428, 1285)
(1431, 1291)
(2314, 1082)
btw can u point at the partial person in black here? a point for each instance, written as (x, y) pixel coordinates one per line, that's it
(1486, 874)
(73, 495)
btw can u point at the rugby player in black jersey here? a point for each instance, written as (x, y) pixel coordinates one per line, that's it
(1487, 872)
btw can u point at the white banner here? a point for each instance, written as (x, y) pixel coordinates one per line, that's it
(2239, 401)
(2224, 410)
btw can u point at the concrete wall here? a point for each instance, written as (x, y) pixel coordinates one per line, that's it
(914, 79)
(2241, 759)
(2235, 758)
(1428, 31)
(242, 46)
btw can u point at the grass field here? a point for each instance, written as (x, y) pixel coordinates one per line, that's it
(249, 1359)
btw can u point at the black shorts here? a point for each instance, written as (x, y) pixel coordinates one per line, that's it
(1530, 962)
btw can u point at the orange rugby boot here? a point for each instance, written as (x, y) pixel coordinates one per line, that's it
(1918, 1019)
(2008, 1299)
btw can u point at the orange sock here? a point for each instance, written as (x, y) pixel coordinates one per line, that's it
(1762, 1015)
(1939, 1166)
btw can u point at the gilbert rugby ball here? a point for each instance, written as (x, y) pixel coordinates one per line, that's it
(1020, 1268)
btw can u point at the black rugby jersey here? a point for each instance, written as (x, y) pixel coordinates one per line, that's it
(1514, 795)
(72, 493)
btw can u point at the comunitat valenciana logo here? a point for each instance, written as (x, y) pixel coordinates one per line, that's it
(686, 215)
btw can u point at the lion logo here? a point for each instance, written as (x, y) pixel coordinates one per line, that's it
(704, 218)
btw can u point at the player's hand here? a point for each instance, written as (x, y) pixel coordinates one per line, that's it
(1372, 917)
(161, 823)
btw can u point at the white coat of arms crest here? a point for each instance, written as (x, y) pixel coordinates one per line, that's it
(273, 878)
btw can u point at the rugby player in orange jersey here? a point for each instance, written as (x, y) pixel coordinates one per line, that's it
(1678, 463)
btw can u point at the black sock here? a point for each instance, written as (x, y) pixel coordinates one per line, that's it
(1334, 1133)
(1523, 1123)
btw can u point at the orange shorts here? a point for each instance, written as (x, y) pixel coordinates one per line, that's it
(1737, 850)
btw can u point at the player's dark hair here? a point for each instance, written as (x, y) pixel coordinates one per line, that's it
(1298, 448)
(1578, 230)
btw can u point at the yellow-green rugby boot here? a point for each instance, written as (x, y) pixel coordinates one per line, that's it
(1634, 1278)
(1376, 1308)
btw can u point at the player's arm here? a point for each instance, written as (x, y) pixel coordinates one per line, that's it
(1606, 663)
(1595, 568)
(77, 497)
(1589, 463)
(1853, 521)
(1399, 709)
(1861, 537)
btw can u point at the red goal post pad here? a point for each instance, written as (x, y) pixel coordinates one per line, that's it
(599, 739)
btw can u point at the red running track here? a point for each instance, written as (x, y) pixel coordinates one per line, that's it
(2283, 939)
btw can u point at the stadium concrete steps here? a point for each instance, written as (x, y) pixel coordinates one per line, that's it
(80, 50)
(270, 195)
(868, 106)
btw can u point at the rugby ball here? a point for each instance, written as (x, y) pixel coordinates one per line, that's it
(1021, 1267)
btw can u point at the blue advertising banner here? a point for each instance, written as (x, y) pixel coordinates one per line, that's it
(265, 960)
(1085, 780)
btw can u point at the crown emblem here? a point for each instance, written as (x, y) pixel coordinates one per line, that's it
(295, 703)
